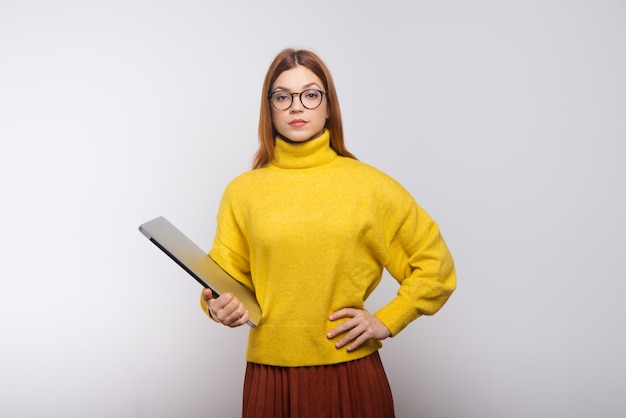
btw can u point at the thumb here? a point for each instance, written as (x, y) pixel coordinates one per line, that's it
(207, 294)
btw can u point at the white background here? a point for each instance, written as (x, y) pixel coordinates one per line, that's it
(505, 119)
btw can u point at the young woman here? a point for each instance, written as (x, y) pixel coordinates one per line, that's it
(310, 230)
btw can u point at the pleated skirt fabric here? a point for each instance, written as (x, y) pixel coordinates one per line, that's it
(356, 389)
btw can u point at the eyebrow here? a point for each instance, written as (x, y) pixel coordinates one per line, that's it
(306, 86)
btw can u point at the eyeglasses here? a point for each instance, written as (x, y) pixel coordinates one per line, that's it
(310, 98)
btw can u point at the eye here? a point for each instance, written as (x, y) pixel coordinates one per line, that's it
(280, 96)
(312, 94)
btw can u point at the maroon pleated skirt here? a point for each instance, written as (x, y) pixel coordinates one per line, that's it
(356, 389)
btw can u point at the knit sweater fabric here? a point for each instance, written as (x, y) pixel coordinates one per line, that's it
(310, 234)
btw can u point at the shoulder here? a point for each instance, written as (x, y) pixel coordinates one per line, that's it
(247, 186)
(373, 177)
(247, 180)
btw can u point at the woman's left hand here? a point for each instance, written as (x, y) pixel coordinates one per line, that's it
(361, 327)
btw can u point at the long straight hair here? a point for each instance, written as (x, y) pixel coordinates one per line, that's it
(286, 60)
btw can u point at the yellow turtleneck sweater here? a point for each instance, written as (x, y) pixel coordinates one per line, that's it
(310, 234)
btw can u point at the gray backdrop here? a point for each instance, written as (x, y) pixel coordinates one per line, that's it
(505, 119)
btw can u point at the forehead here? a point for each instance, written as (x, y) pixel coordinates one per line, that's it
(297, 78)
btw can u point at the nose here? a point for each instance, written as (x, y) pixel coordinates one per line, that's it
(296, 103)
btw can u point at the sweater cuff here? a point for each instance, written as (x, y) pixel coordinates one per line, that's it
(397, 314)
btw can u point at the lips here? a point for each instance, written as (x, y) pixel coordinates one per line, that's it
(297, 123)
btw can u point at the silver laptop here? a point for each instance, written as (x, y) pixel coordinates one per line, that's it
(198, 264)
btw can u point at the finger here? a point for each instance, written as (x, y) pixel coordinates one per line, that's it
(344, 313)
(222, 301)
(237, 318)
(218, 307)
(353, 335)
(358, 342)
(343, 327)
(243, 320)
(207, 294)
(232, 312)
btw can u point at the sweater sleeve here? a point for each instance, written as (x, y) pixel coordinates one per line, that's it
(419, 259)
(230, 245)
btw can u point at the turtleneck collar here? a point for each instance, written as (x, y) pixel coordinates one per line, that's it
(313, 153)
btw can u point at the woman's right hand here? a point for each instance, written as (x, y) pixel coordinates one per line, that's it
(225, 309)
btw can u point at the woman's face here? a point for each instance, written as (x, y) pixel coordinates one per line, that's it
(297, 123)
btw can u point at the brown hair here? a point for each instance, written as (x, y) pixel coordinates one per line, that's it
(286, 60)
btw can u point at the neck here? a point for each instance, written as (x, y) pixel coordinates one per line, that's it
(311, 153)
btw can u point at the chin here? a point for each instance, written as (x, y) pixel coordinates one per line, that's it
(302, 138)
(297, 136)
(300, 135)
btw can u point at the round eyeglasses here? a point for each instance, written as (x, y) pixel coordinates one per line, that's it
(310, 98)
